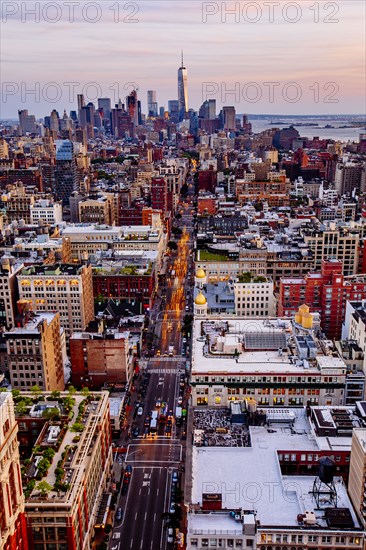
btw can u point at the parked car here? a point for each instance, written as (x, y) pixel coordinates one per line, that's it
(119, 514)
(170, 537)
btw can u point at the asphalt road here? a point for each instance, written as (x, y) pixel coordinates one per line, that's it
(154, 460)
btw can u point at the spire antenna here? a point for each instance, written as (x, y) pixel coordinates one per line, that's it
(182, 60)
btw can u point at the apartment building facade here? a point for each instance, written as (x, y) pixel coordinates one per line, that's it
(36, 349)
(326, 293)
(13, 533)
(65, 288)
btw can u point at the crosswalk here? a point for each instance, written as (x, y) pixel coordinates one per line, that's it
(175, 359)
(163, 371)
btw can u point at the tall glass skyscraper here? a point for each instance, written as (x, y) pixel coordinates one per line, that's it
(66, 177)
(182, 91)
(152, 105)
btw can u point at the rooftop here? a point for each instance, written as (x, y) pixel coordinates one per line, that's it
(251, 478)
(31, 327)
(63, 448)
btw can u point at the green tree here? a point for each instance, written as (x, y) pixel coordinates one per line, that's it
(44, 488)
(71, 390)
(21, 408)
(36, 390)
(69, 402)
(49, 453)
(77, 427)
(85, 391)
(15, 393)
(51, 414)
(55, 394)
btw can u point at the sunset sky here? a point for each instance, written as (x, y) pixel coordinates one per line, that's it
(147, 52)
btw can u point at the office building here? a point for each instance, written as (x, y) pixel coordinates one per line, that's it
(13, 534)
(65, 288)
(47, 211)
(254, 297)
(66, 177)
(152, 105)
(348, 177)
(132, 107)
(104, 104)
(274, 361)
(36, 351)
(182, 91)
(229, 121)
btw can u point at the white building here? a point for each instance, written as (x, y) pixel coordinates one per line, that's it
(273, 361)
(255, 299)
(354, 326)
(87, 239)
(260, 506)
(47, 211)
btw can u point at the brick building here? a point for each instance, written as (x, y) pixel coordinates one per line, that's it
(325, 292)
(99, 358)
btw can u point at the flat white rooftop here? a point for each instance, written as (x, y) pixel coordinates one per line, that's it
(250, 478)
(214, 523)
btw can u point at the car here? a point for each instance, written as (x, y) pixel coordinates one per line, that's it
(140, 411)
(170, 533)
(135, 432)
(184, 340)
(158, 403)
(175, 477)
(129, 469)
(158, 352)
(180, 400)
(172, 508)
(119, 514)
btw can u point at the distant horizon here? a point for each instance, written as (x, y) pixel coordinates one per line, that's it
(308, 57)
(249, 115)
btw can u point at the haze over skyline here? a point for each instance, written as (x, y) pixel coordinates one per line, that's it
(147, 53)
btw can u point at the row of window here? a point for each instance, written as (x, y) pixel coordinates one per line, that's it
(266, 379)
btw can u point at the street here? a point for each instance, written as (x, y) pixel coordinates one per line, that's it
(155, 457)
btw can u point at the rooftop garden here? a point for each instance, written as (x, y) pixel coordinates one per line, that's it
(248, 277)
(48, 469)
(205, 255)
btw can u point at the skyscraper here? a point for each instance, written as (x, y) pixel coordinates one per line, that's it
(152, 105)
(104, 103)
(182, 91)
(65, 174)
(132, 107)
(173, 108)
(229, 118)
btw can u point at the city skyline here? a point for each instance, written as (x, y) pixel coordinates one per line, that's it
(218, 53)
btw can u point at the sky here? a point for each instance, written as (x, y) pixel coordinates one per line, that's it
(275, 57)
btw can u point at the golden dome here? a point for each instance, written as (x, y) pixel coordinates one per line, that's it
(200, 274)
(200, 300)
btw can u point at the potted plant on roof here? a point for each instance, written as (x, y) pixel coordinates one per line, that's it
(44, 488)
